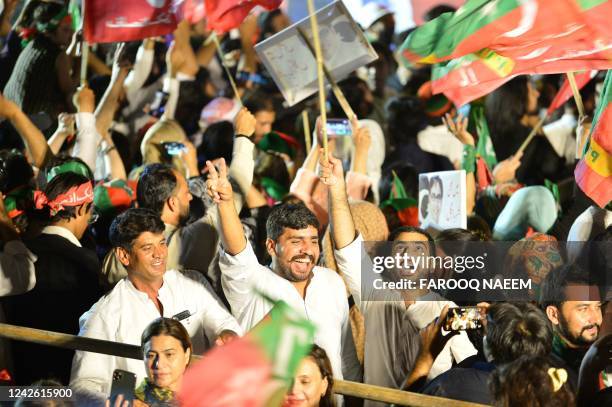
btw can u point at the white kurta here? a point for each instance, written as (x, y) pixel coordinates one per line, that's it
(124, 313)
(17, 271)
(392, 329)
(325, 304)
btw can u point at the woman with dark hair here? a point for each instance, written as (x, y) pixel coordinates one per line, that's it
(313, 382)
(531, 381)
(43, 79)
(511, 113)
(167, 349)
(406, 118)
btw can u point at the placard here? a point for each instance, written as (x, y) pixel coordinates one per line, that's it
(442, 200)
(292, 64)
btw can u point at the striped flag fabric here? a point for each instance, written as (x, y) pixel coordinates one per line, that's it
(486, 43)
(594, 171)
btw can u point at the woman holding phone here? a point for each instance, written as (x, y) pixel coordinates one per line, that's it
(167, 349)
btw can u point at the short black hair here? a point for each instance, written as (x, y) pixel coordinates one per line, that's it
(436, 179)
(517, 329)
(60, 184)
(552, 290)
(413, 229)
(217, 142)
(406, 118)
(354, 90)
(293, 216)
(126, 227)
(259, 102)
(155, 186)
(15, 171)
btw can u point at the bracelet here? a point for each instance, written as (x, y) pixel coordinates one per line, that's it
(109, 149)
(469, 159)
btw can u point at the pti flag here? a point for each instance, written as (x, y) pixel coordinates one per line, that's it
(594, 171)
(252, 371)
(224, 15)
(565, 92)
(115, 21)
(486, 43)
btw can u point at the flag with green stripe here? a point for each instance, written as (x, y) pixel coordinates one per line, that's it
(594, 171)
(486, 43)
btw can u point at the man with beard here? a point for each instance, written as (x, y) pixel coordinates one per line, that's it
(317, 293)
(166, 192)
(573, 305)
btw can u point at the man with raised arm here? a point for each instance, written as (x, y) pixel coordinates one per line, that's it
(293, 276)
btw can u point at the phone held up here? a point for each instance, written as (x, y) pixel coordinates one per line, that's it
(463, 318)
(124, 383)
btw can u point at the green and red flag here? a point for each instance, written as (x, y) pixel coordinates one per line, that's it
(112, 198)
(252, 371)
(594, 171)
(405, 206)
(486, 43)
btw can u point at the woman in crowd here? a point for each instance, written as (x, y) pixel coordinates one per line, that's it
(313, 382)
(44, 77)
(167, 349)
(531, 381)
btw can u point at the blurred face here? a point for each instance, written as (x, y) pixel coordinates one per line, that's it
(63, 35)
(435, 201)
(413, 244)
(146, 260)
(580, 322)
(295, 253)
(182, 197)
(532, 98)
(84, 213)
(264, 120)
(166, 361)
(309, 386)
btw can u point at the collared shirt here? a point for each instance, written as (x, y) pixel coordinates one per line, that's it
(124, 313)
(17, 271)
(63, 232)
(325, 303)
(389, 357)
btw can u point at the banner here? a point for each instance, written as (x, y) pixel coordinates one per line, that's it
(119, 21)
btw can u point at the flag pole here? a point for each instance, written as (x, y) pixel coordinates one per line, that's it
(215, 39)
(84, 60)
(344, 104)
(306, 125)
(314, 26)
(531, 135)
(572, 82)
(84, 50)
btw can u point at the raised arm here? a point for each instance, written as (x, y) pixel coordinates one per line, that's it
(34, 140)
(459, 130)
(142, 67)
(86, 144)
(341, 221)
(220, 190)
(110, 100)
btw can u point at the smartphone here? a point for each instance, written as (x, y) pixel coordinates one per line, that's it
(464, 110)
(174, 147)
(463, 318)
(158, 106)
(338, 127)
(124, 383)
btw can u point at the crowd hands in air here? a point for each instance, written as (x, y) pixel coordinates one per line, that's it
(161, 224)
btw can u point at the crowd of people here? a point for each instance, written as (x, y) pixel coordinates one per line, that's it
(151, 206)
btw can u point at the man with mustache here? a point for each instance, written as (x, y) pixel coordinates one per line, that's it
(317, 293)
(572, 303)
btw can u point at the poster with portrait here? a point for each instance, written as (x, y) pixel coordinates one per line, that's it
(442, 200)
(292, 64)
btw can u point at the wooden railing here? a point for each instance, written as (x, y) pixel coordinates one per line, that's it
(347, 388)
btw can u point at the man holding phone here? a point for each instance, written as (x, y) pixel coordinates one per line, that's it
(148, 292)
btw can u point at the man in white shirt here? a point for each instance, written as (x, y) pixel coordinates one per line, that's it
(392, 322)
(148, 292)
(292, 241)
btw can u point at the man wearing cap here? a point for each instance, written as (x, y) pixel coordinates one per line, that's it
(67, 277)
